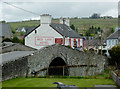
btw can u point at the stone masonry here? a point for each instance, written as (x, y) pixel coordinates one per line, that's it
(38, 61)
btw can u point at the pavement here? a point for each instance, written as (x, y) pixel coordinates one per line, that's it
(105, 87)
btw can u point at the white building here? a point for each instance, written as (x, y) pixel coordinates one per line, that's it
(48, 33)
(113, 39)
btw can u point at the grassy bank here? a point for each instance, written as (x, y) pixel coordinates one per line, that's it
(81, 24)
(48, 82)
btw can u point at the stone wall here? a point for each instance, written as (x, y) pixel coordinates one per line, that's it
(15, 69)
(41, 59)
(16, 47)
(45, 56)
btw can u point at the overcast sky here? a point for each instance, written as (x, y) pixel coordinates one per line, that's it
(74, 8)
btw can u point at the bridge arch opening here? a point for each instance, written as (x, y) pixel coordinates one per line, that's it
(56, 67)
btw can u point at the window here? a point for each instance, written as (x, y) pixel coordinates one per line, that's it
(35, 31)
(103, 46)
(116, 42)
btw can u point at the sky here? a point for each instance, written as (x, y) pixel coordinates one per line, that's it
(71, 8)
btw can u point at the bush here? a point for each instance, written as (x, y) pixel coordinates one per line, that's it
(115, 55)
(16, 40)
(7, 40)
(69, 46)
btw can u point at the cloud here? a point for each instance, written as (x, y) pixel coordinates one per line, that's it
(112, 12)
(56, 9)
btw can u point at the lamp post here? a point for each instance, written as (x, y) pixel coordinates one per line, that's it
(101, 41)
(63, 31)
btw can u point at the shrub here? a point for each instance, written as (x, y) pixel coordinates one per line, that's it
(115, 55)
(7, 40)
(69, 46)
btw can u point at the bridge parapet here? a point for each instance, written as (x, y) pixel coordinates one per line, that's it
(43, 57)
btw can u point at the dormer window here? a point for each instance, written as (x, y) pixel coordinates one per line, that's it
(35, 31)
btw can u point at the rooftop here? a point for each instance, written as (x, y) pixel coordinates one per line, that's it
(115, 35)
(12, 56)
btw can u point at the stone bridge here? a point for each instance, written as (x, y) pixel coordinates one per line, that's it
(59, 60)
(51, 60)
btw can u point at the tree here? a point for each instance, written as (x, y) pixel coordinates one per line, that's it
(72, 27)
(95, 16)
(15, 40)
(22, 33)
(13, 31)
(112, 30)
(76, 30)
(98, 29)
(115, 56)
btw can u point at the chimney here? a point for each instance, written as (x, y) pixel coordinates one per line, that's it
(67, 21)
(45, 19)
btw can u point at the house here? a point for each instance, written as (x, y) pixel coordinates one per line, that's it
(95, 45)
(48, 33)
(21, 29)
(25, 29)
(117, 28)
(113, 39)
(5, 32)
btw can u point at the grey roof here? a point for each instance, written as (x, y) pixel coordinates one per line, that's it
(59, 28)
(31, 30)
(97, 42)
(68, 31)
(19, 29)
(4, 28)
(115, 35)
(28, 29)
(11, 56)
(7, 43)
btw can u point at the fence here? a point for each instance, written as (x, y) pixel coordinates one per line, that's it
(62, 70)
(116, 78)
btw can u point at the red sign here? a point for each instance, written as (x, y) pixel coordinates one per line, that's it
(44, 41)
(58, 41)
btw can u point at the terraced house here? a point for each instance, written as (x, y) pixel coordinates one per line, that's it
(113, 39)
(48, 33)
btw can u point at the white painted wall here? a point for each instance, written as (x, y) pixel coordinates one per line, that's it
(111, 43)
(45, 19)
(44, 32)
(67, 21)
(45, 35)
(23, 29)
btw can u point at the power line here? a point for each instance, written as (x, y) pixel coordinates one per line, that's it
(21, 8)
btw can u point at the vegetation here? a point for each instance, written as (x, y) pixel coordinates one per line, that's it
(14, 40)
(82, 25)
(115, 56)
(41, 82)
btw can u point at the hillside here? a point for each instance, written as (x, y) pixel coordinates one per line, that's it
(81, 24)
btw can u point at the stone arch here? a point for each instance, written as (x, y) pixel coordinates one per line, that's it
(56, 67)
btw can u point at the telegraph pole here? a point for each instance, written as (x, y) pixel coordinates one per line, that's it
(63, 31)
(101, 42)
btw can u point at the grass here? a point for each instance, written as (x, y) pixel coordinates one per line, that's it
(81, 24)
(48, 82)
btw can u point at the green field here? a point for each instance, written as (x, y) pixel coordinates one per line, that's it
(48, 82)
(81, 24)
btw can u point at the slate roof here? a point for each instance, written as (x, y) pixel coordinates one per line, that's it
(19, 29)
(68, 31)
(97, 42)
(4, 28)
(115, 35)
(59, 28)
(12, 56)
(28, 29)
